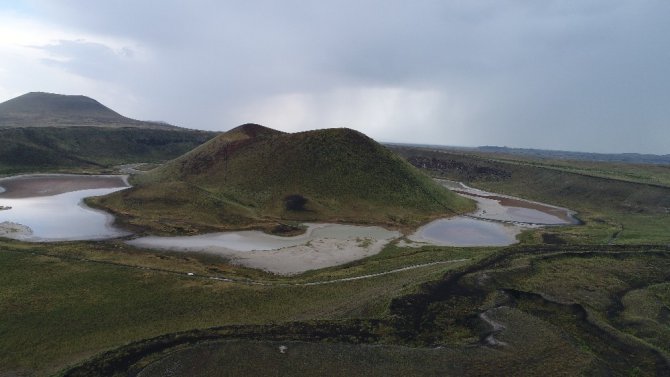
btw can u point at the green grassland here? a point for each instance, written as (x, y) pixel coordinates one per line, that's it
(558, 311)
(241, 179)
(579, 303)
(94, 149)
(590, 300)
(654, 174)
(63, 303)
(614, 210)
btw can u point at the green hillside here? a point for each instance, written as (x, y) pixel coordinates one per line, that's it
(37, 109)
(44, 149)
(253, 175)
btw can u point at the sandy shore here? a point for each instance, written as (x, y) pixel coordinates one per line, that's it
(323, 245)
(26, 186)
(319, 253)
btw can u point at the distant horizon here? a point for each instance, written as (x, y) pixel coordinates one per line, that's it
(381, 140)
(525, 149)
(559, 75)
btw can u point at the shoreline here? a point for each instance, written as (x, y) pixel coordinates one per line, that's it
(566, 215)
(36, 185)
(322, 245)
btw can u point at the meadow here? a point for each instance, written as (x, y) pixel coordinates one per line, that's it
(589, 299)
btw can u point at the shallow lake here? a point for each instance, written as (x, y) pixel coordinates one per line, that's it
(51, 208)
(463, 231)
(504, 208)
(497, 220)
(48, 215)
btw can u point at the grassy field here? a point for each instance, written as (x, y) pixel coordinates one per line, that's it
(522, 310)
(630, 172)
(634, 171)
(245, 358)
(68, 302)
(590, 300)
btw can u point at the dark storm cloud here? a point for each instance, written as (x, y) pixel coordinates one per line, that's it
(580, 75)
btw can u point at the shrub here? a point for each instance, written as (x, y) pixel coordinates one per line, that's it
(295, 202)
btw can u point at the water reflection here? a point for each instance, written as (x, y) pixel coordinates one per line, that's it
(462, 231)
(58, 218)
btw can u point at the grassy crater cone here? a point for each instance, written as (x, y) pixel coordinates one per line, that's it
(252, 176)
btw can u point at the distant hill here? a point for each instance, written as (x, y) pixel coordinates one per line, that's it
(72, 149)
(37, 109)
(632, 158)
(44, 132)
(628, 158)
(253, 175)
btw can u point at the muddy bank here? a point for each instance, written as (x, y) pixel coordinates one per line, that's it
(28, 186)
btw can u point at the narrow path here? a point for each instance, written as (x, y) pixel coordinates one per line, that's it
(615, 236)
(341, 280)
(386, 272)
(496, 328)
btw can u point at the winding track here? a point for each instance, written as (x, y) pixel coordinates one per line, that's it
(360, 277)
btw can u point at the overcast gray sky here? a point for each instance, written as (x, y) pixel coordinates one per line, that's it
(585, 75)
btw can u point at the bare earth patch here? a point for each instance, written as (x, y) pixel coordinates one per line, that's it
(320, 253)
(323, 245)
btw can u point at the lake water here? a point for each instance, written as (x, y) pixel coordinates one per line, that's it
(504, 208)
(60, 217)
(463, 231)
(50, 208)
(497, 220)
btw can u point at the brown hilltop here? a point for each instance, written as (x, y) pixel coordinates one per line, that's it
(38, 109)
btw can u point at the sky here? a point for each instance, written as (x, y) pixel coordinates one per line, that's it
(578, 75)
